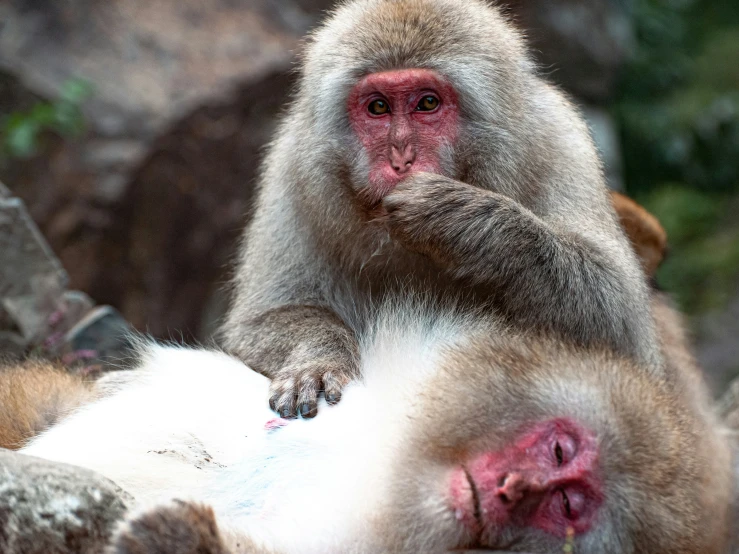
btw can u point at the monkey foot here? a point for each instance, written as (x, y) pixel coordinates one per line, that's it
(180, 527)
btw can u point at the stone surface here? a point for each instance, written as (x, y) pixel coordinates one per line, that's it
(185, 94)
(144, 210)
(50, 508)
(605, 134)
(31, 278)
(581, 44)
(717, 343)
(36, 312)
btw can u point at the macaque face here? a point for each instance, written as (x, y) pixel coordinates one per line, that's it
(553, 448)
(547, 479)
(403, 119)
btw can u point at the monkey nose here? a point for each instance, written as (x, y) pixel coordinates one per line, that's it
(402, 158)
(511, 488)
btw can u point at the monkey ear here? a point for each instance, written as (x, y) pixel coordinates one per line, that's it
(645, 232)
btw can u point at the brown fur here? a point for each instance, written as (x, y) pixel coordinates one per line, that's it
(645, 232)
(183, 527)
(520, 222)
(34, 396)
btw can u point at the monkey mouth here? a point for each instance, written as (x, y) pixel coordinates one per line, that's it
(476, 510)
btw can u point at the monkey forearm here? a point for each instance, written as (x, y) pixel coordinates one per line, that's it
(300, 347)
(489, 240)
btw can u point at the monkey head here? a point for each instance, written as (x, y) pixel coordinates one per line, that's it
(393, 88)
(552, 447)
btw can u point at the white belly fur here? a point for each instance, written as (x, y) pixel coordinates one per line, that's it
(190, 424)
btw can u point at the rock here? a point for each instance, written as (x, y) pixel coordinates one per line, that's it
(716, 345)
(144, 210)
(31, 278)
(101, 337)
(184, 94)
(12, 346)
(35, 309)
(50, 508)
(605, 135)
(585, 63)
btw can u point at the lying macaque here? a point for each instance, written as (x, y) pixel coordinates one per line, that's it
(461, 435)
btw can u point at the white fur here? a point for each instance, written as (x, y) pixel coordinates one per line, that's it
(191, 424)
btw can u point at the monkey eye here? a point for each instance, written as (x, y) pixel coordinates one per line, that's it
(558, 454)
(427, 104)
(566, 504)
(378, 107)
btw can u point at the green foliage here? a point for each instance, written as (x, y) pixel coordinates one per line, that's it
(678, 109)
(20, 131)
(702, 268)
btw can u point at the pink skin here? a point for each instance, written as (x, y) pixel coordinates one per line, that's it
(403, 140)
(523, 484)
(275, 423)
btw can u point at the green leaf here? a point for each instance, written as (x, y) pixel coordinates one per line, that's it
(75, 91)
(21, 139)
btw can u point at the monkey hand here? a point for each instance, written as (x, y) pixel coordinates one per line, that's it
(295, 388)
(440, 217)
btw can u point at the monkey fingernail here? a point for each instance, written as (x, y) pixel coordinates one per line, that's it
(333, 397)
(287, 412)
(308, 411)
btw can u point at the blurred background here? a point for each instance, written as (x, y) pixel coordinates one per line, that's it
(133, 131)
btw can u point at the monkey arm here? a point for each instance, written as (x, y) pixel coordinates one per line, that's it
(491, 241)
(281, 322)
(301, 348)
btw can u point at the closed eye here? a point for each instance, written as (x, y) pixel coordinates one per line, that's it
(566, 504)
(558, 454)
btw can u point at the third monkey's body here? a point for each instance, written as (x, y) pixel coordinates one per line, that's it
(424, 154)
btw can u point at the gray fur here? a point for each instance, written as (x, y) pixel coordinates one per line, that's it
(521, 222)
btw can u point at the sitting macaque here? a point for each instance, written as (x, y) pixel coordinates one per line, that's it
(423, 154)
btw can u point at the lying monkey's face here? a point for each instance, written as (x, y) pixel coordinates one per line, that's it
(403, 120)
(548, 479)
(550, 448)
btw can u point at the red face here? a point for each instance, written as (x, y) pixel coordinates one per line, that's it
(546, 480)
(402, 119)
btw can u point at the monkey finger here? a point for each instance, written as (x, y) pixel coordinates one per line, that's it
(392, 202)
(307, 403)
(333, 383)
(283, 400)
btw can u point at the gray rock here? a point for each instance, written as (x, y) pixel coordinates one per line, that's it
(605, 134)
(716, 344)
(581, 42)
(184, 93)
(32, 279)
(50, 508)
